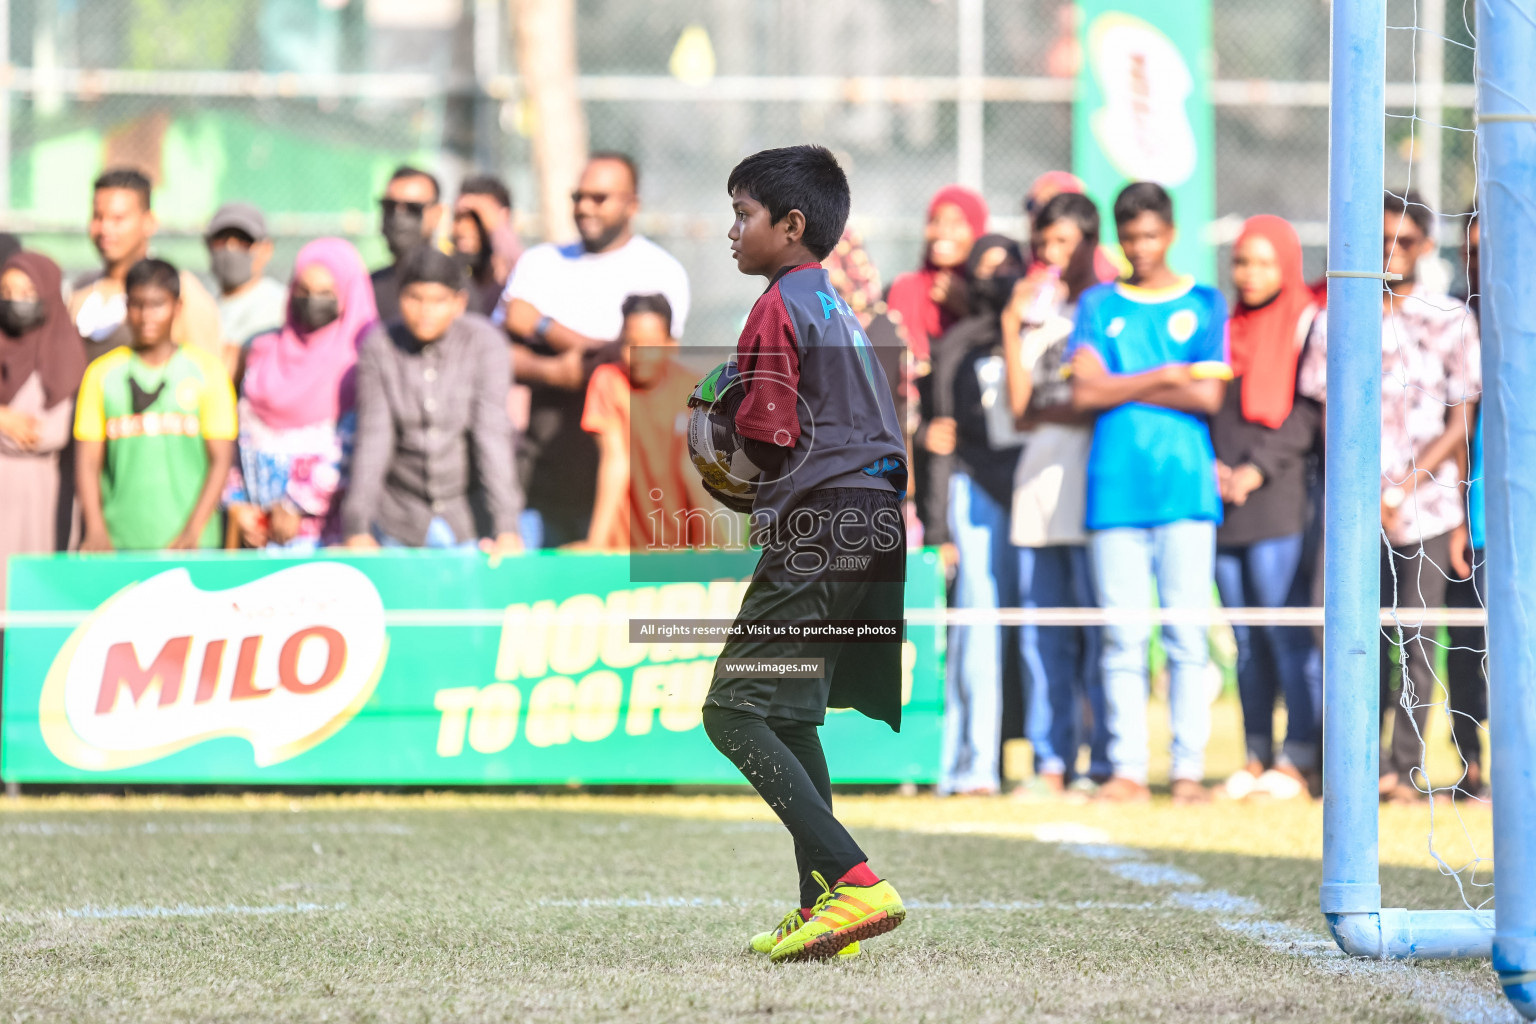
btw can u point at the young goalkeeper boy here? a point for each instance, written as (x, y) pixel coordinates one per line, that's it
(817, 418)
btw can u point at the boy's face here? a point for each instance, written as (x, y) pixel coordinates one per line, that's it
(151, 311)
(429, 309)
(1403, 244)
(120, 225)
(1146, 239)
(647, 345)
(758, 243)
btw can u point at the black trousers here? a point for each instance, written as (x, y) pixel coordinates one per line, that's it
(1412, 577)
(1466, 670)
(783, 759)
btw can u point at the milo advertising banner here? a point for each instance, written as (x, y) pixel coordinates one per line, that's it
(404, 668)
(1143, 113)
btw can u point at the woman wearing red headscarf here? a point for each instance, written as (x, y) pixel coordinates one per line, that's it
(1264, 435)
(925, 304)
(42, 360)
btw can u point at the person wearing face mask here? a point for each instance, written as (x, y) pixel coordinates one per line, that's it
(41, 363)
(239, 251)
(409, 215)
(296, 416)
(972, 424)
(433, 434)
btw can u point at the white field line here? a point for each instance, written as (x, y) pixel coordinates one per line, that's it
(1457, 999)
(180, 910)
(150, 828)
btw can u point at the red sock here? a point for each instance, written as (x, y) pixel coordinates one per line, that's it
(805, 913)
(859, 875)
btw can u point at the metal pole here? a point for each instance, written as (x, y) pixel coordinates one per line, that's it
(969, 126)
(487, 49)
(1430, 73)
(6, 70)
(1506, 187)
(1351, 705)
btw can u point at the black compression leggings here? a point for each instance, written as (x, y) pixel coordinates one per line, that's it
(783, 760)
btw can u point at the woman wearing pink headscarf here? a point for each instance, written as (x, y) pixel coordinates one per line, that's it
(296, 413)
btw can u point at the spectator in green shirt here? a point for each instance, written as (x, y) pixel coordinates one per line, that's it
(155, 426)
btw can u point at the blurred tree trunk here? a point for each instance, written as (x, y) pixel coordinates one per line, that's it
(545, 39)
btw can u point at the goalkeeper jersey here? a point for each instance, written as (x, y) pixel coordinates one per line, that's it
(815, 387)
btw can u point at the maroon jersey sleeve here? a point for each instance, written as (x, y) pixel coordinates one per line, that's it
(769, 360)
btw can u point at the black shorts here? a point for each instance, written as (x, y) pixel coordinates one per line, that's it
(844, 559)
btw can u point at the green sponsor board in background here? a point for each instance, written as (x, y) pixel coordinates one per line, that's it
(402, 668)
(1143, 112)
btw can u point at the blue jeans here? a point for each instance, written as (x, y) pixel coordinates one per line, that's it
(987, 577)
(1180, 557)
(1271, 660)
(440, 537)
(1061, 663)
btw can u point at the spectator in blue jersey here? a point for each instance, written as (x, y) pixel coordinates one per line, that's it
(1149, 357)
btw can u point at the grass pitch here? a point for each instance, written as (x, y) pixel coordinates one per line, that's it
(581, 908)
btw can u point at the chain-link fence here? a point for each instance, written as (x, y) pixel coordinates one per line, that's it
(304, 106)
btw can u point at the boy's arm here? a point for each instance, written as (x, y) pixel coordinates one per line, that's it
(373, 448)
(612, 482)
(1094, 388)
(1186, 394)
(221, 454)
(490, 437)
(89, 456)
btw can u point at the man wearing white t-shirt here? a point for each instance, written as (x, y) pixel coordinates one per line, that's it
(563, 307)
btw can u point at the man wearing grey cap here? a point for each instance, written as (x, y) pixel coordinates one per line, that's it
(239, 250)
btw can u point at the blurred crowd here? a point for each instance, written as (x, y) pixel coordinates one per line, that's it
(1089, 428)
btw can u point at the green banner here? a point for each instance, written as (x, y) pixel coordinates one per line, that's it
(401, 668)
(1143, 112)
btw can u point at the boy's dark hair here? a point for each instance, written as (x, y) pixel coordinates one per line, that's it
(620, 158)
(1073, 206)
(654, 303)
(153, 273)
(407, 171)
(804, 178)
(1411, 205)
(487, 185)
(126, 178)
(1141, 197)
(426, 264)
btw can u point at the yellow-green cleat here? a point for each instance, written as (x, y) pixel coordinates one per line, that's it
(842, 917)
(763, 942)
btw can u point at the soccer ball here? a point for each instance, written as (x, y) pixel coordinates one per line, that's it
(714, 444)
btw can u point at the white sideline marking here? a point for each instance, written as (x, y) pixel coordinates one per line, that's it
(335, 828)
(1456, 999)
(1153, 874)
(186, 910)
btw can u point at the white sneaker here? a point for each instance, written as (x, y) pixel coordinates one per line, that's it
(1241, 783)
(1279, 785)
